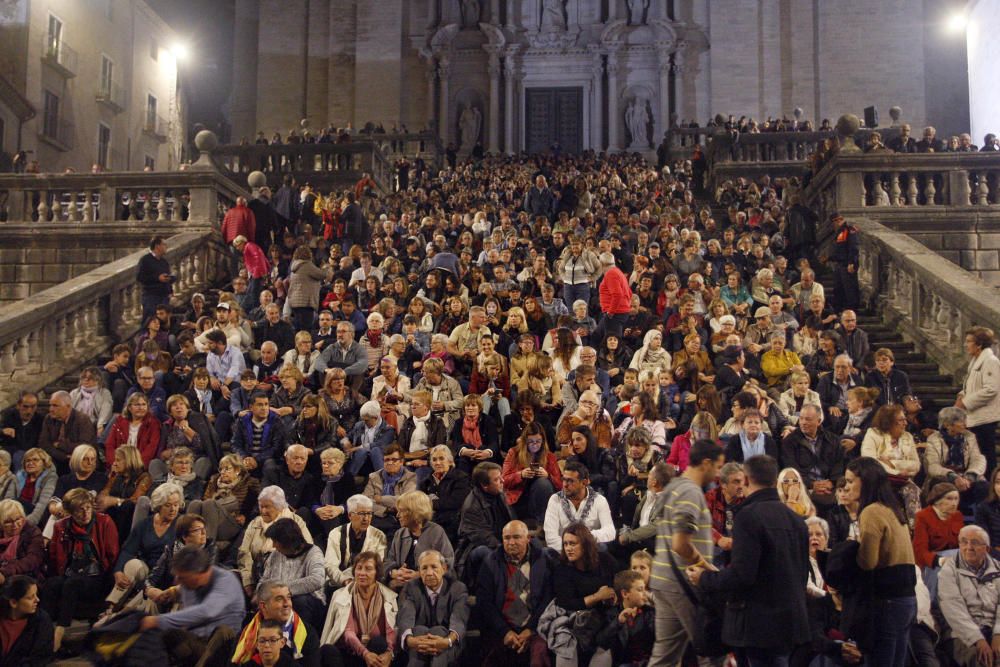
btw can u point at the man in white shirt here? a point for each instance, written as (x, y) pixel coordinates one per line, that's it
(577, 502)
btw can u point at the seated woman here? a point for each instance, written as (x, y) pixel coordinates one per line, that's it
(146, 542)
(159, 584)
(137, 425)
(952, 455)
(286, 402)
(798, 394)
(128, 482)
(180, 471)
(633, 470)
(531, 474)
(82, 552)
(591, 414)
(893, 447)
(368, 439)
(191, 430)
(28, 628)
(359, 630)
(230, 501)
(644, 416)
(337, 487)
(750, 439)
(92, 399)
(791, 492)
(474, 437)
(582, 579)
(35, 484)
(22, 547)
(256, 546)
(447, 487)
(298, 563)
(600, 462)
(416, 534)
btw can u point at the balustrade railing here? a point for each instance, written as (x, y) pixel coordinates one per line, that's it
(60, 328)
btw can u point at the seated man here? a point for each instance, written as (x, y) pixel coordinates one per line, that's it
(433, 612)
(513, 588)
(274, 606)
(301, 487)
(968, 589)
(211, 613)
(577, 502)
(347, 541)
(259, 437)
(816, 454)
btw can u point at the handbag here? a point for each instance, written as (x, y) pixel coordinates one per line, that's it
(706, 640)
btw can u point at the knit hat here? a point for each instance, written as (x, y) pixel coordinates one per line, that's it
(939, 491)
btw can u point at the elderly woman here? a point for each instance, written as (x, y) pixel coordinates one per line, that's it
(297, 563)
(750, 439)
(390, 389)
(796, 396)
(652, 356)
(256, 546)
(146, 541)
(792, 492)
(531, 474)
(137, 426)
(82, 552)
(286, 402)
(888, 442)
(159, 584)
(643, 415)
(445, 390)
(92, 399)
(360, 624)
(366, 442)
(952, 455)
(474, 438)
(338, 487)
(416, 534)
(35, 483)
(588, 413)
(447, 487)
(303, 354)
(22, 547)
(342, 402)
(230, 501)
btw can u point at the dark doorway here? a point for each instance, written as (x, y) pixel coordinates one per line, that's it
(553, 115)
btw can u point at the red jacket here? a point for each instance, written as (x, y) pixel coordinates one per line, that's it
(255, 260)
(513, 483)
(239, 221)
(104, 535)
(148, 440)
(616, 295)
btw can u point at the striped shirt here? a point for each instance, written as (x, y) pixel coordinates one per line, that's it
(685, 511)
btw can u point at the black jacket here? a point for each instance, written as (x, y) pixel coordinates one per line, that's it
(449, 496)
(33, 647)
(491, 590)
(765, 584)
(826, 463)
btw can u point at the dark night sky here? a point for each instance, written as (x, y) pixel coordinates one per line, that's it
(207, 28)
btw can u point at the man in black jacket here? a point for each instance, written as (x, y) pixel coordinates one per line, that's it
(154, 277)
(483, 515)
(765, 585)
(817, 455)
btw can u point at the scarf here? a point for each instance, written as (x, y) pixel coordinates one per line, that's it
(955, 460)
(389, 482)
(470, 432)
(246, 647)
(85, 402)
(8, 548)
(367, 613)
(751, 448)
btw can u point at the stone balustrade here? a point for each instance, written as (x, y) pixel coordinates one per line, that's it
(65, 326)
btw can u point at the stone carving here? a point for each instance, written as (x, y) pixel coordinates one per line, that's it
(469, 124)
(553, 16)
(637, 122)
(638, 11)
(470, 12)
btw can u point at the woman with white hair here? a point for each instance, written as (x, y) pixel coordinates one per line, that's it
(375, 342)
(256, 547)
(368, 439)
(347, 541)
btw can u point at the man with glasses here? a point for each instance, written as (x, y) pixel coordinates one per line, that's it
(968, 591)
(21, 426)
(155, 396)
(63, 429)
(277, 630)
(347, 541)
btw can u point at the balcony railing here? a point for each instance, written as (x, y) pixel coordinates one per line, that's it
(59, 133)
(112, 95)
(59, 55)
(156, 127)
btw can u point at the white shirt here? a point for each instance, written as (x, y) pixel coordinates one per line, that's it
(598, 519)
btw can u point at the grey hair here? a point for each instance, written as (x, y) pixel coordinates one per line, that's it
(445, 449)
(359, 501)
(728, 470)
(951, 415)
(822, 523)
(973, 528)
(275, 495)
(371, 409)
(162, 493)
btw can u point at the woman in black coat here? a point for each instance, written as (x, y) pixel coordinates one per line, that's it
(33, 641)
(447, 487)
(473, 436)
(751, 439)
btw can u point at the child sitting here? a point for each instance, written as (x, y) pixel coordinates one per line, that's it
(628, 631)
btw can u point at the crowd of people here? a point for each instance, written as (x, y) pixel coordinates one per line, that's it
(559, 387)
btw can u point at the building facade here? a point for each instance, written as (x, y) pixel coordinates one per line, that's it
(601, 74)
(101, 80)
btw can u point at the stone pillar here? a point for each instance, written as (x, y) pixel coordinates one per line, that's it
(494, 117)
(430, 74)
(444, 107)
(596, 117)
(614, 121)
(508, 100)
(663, 67)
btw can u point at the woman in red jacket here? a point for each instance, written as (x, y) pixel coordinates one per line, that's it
(136, 426)
(530, 474)
(82, 553)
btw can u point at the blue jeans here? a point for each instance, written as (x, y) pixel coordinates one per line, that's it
(571, 293)
(892, 620)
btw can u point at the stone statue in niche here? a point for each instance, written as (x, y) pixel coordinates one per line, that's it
(637, 122)
(469, 123)
(470, 13)
(638, 11)
(553, 17)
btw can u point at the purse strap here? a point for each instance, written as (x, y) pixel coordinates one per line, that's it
(682, 578)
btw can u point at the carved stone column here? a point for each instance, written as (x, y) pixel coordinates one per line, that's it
(444, 107)
(494, 69)
(663, 67)
(508, 100)
(614, 120)
(596, 115)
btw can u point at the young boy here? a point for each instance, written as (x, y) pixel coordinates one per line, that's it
(629, 630)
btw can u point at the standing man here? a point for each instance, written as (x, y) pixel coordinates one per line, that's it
(765, 583)
(846, 291)
(155, 278)
(683, 539)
